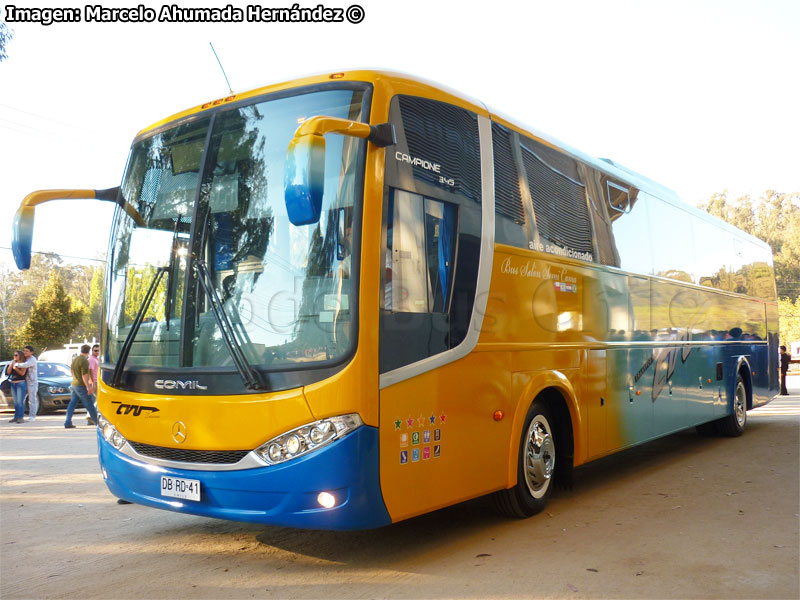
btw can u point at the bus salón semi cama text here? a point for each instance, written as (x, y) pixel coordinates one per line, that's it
(347, 300)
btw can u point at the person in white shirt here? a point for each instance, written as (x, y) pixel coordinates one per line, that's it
(32, 378)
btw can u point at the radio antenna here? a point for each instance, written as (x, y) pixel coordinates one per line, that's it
(230, 89)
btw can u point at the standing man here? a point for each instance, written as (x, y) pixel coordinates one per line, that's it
(82, 386)
(94, 366)
(32, 379)
(785, 358)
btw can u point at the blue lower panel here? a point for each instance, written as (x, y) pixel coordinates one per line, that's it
(277, 495)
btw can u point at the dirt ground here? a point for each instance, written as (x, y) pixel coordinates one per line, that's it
(682, 517)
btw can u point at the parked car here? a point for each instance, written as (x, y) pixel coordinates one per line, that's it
(54, 381)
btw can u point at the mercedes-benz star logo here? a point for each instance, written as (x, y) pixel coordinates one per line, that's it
(179, 432)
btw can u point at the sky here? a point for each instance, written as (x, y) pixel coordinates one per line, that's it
(701, 96)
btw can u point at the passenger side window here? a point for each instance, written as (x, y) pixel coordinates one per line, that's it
(511, 221)
(629, 224)
(673, 245)
(559, 200)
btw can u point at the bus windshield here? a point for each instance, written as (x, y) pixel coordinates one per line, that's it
(211, 193)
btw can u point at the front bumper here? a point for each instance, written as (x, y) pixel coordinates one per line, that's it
(284, 494)
(55, 401)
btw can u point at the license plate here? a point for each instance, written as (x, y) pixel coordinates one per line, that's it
(175, 487)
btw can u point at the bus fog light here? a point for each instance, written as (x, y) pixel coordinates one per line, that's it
(326, 500)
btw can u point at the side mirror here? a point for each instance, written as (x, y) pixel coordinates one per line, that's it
(22, 226)
(22, 237)
(304, 174)
(304, 179)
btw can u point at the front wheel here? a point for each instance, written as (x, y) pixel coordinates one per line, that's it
(536, 467)
(733, 424)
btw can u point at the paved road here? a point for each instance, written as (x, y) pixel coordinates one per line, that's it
(682, 517)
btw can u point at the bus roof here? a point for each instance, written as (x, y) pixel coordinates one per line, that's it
(389, 80)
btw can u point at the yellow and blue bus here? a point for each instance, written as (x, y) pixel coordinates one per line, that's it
(346, 300)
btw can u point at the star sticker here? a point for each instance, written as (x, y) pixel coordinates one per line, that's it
(433, 419)
(410, 423)
(397, 424)
(421, 421)
(442, 417)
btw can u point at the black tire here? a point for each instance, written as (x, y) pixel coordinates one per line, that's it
(733, 425)
(536, 465)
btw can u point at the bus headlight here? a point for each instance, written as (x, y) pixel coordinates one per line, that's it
(305, 439)
(110, 433)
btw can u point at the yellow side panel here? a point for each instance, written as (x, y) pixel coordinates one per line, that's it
(211, 422)
(439, 441)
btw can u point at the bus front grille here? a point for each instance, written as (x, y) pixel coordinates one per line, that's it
(216, 457)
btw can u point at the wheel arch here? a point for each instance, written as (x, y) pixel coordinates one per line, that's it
(555, 390)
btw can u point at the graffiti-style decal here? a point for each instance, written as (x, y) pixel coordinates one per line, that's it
(126, 409)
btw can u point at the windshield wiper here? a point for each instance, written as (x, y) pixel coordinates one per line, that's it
(137, 322)
(250, 376)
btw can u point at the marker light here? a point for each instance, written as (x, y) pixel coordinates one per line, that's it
(305, 439)
(326, 500)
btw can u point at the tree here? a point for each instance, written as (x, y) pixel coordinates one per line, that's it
(6, 294)
(789, 318)
(774, 218)
(52, 319)
(24, 286)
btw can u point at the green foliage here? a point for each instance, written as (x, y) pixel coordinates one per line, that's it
(774, 218)
(53, 317)
(137, 283)
(19, 291)
(789, 317)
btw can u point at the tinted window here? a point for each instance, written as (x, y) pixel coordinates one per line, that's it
(752, 270)
(673, 249)
(713, 252)
(431, 230)
(631, 231)
(439, 142)
(510, 218)
(559, 202)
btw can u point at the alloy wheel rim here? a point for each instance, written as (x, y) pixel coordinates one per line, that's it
(739, 405)
(540, 456)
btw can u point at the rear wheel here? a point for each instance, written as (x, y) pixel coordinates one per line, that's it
(733, 424)
(536, 467)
